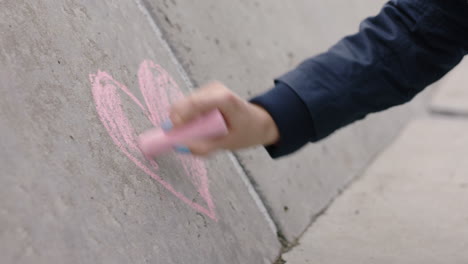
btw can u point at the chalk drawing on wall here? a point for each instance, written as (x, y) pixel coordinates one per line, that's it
(158, 90)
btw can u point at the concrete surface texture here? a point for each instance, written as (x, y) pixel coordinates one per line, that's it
(246, 44)
(452, 96)
(409, 207)
(73, 189)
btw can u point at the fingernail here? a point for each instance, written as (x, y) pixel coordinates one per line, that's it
(182, 149)
(167, 125)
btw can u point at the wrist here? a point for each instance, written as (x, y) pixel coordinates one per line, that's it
(268, 128)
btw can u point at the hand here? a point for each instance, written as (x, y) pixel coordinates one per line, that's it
(248, 124)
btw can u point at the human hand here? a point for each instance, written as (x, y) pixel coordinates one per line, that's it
(248, 124)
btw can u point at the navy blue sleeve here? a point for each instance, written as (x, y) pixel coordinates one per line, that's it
(395, 55)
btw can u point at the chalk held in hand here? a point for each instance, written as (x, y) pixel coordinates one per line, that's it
(157, 141)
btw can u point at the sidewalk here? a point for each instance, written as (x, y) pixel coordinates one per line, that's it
(411, 204)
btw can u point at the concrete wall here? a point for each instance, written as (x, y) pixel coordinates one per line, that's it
(68, 194)
(73, 189)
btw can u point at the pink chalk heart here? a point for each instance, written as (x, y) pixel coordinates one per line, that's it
(158, 90)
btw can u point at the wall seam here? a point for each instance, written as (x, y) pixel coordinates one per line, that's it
(143, 6)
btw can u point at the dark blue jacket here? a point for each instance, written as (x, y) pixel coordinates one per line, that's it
(395, 55)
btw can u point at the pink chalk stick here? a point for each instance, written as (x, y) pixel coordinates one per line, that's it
(157, 141)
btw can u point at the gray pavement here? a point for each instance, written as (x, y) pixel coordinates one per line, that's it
(408, 207)
(68, 193)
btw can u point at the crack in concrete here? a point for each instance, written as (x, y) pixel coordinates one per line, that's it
(448, 113)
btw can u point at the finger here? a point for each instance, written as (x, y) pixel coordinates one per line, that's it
(206, 147)
(202, 101)
(201, 148)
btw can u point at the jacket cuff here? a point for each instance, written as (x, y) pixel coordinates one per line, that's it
(291, 116)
